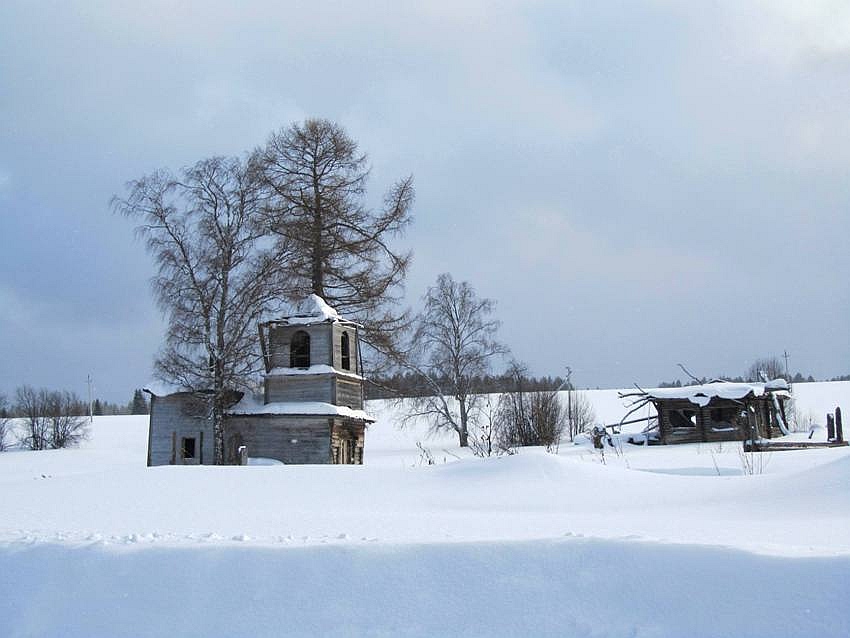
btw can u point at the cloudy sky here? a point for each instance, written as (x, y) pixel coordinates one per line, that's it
(637, 184)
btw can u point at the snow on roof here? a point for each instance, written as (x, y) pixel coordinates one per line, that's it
(250, 405)
(701, 395)
(314, 369)
(313, 309)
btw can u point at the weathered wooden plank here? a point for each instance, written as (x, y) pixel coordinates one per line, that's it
(769, 446)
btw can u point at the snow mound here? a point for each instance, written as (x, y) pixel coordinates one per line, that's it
(832, 478)
(261, 460)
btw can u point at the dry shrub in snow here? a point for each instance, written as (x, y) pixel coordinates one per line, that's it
(530, 418)
(801, 421)
(580, 416)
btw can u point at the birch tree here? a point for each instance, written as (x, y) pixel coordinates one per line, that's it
(455, 342)
(4, 421)
(217, 275)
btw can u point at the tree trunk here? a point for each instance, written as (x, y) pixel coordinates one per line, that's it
(318, 257)
(218, 431)
(463, 432)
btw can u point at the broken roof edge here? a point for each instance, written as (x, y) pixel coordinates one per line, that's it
(309, 321)
(162, 389)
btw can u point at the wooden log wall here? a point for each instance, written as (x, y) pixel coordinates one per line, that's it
(287, 388)
(289, 439)
(733, 426)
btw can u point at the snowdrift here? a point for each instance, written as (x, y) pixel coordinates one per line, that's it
(568, 587)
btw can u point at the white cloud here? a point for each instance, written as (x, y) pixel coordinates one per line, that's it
(792, 32)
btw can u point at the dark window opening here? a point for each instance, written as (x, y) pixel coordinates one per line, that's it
(723, 419)
(346, 351)
(683, 418)
(299, 350)
(189, 448)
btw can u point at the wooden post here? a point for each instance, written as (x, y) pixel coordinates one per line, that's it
(201, 456)
(173, 447)
(830, 427)
(839, 430)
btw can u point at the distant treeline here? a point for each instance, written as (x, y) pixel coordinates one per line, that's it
(16, 405)
(408, 384)
(796, 378)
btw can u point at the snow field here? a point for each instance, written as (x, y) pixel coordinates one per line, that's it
(659, 541)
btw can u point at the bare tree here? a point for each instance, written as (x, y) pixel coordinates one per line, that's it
(455, 345)
(4, 421)
(218, 273)
(65, 414)
(29, 406)
(314, 182)
(579, 413)
(769, 367)
(52, 419)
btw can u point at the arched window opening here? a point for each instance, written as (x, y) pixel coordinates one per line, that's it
(345, 347)
(299, 350)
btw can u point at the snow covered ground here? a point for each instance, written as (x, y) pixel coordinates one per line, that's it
(660, 541)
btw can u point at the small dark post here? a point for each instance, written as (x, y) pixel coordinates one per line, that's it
(830, 427)
(202, 446)
(839, 430)
(596, 434)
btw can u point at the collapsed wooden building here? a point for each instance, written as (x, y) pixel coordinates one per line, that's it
(716, 411)
(311, 410)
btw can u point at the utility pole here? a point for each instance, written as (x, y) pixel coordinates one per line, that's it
(569, 400)
(785, 356)
(566, 384)
(91, 410)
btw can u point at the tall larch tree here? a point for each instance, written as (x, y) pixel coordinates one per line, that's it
(314, 183)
